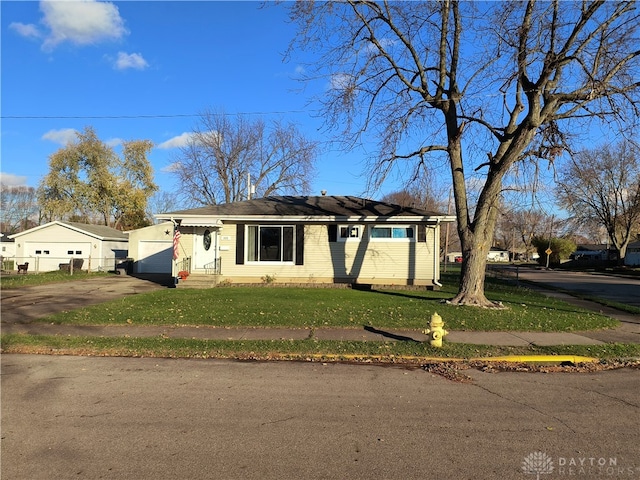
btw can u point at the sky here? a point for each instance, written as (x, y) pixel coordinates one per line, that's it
(145, 70)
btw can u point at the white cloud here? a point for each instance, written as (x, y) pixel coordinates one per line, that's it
(113, 142)
(63, 136)
(83, 22)
(11, 180)
(130, 60)
(25, 30)
(172, 167)
(341, 81)
(385, 43)
(181, 140)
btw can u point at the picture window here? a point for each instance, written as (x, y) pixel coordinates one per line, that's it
(273, 243)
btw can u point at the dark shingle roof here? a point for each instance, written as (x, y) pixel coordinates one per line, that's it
(315, 206)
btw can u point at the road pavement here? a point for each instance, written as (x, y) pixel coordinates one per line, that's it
(625, 290)
(138, 418)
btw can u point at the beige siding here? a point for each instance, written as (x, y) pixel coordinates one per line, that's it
(376, 261)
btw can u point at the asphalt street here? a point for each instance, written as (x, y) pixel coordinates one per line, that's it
(625, 290)
(138, 418)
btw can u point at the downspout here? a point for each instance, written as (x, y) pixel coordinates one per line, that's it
(436, 256)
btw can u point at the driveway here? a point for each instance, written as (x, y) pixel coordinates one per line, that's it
(23, 305)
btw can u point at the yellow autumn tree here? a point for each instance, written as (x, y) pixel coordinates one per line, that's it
(88, 181)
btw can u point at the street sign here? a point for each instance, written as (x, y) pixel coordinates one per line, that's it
(548, 251)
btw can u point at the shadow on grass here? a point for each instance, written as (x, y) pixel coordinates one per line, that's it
(390, 335)
(400, 293)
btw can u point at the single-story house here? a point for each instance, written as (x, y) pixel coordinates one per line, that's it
(50, 246)
(632, 257)
(295, 239)
(497, 255)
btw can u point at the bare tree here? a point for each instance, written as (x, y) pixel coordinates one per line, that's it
(517, 228)
(18, 208)
(225, 152)
(603, 185)
(500, 81)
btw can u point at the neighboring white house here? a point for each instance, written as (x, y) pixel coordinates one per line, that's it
(47, 246)
(497, 255)
(632, 257)
(7, 246)
(296, 239)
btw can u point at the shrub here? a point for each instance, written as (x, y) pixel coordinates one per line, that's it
(561, 248)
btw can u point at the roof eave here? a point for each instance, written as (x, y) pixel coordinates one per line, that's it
(216, 220)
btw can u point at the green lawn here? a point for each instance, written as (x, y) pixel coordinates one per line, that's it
(320, 307)
(309, 349)
(344, 308)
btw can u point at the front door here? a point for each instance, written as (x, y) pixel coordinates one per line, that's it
(204, 252)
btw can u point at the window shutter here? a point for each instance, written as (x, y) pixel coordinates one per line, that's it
(333, 233)
(422, 233)
(299, 244)
(240, 244)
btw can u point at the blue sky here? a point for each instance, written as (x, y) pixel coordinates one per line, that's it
(151, 67)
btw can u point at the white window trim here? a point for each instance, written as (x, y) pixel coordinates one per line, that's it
(395, 240)
(358, 238)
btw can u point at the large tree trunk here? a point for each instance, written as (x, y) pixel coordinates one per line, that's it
(476, 236)
(472, 275)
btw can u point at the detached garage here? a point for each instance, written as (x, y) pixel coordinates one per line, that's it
(151, 248)
(50, 246)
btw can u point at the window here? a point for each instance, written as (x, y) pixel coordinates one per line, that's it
(349, 231)
(269, 243)
(206, 240)
(38, 252)
(395, 232)
(78, 252)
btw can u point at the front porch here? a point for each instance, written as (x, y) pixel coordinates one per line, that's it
(206, 277)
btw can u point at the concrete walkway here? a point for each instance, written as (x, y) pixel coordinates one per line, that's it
(21, 307)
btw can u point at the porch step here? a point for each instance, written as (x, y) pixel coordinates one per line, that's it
(196, 280)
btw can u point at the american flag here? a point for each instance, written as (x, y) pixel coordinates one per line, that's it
(176, 243)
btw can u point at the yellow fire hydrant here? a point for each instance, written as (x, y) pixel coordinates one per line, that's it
(435, 331)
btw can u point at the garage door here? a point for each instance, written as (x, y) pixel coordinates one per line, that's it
(155, 257)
